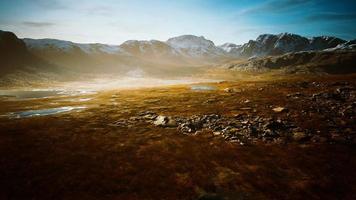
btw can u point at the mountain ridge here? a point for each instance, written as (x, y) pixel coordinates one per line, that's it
(175, 56)
(190, 46)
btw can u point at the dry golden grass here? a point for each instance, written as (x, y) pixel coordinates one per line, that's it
(78, 155)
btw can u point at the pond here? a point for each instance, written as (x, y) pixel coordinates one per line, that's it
(202, 87)
(30, 94)
(43, 112)
(36, 94)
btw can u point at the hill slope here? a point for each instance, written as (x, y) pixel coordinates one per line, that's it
(269, 44)
(330, 62)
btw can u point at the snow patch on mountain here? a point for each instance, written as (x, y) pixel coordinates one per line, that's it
(151, 47)
(270, 44)
(229, 47)
(48, 43)
(190, 42)
(348, 46)
(68, 46)
(99, 48)
(194, 46)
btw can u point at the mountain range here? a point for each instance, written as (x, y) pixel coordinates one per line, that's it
(268, 44)
(192, 49)
(153, 57)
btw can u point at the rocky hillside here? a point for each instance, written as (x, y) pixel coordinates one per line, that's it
(13, 52)
(195, 47)
(268, 44)
(330, 62)
(14, 56)
(155, 56)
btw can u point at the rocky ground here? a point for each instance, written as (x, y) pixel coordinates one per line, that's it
(336, 105)
(285, 138)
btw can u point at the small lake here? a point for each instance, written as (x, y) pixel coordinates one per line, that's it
(44, 112)
(202, 87)
(22, 94)
(36, 94)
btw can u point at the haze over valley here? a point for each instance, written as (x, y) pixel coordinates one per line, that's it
(32, 60)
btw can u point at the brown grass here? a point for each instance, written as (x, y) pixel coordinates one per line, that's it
(79, 156)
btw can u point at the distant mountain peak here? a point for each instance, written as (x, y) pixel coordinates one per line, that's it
(190, 41)
(67, 46)
(276, 44)
(195, 46)
(229, 47)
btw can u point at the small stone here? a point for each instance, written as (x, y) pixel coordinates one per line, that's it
(318, 139)
(216, 133)
(165, 121)
(246, 108)
(229, 90)
(171, 123)
(298, 136)
(160, 120)
(279, 109)
(247, 101)
(295, 95)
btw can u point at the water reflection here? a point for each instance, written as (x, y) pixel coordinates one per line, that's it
(44, 112)
(36, 94)
(202, 87)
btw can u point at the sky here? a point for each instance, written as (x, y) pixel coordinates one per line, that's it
(115, 21)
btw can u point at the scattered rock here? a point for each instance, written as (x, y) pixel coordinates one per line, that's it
(318, 139)
(295, 95)
(280, 109)
(229, 90)
(164, 121)
(334, 107)
(246, 101)
(148, 115)
(299, 136)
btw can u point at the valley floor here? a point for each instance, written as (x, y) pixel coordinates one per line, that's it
(268, 139)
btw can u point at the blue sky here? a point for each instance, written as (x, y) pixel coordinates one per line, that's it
(115, 21)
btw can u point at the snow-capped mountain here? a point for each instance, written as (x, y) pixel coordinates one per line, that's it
(186, 46)
(303, 62)
(347, 46)
(269, 44)
(324, 42)
(195, 47)
(180, 50)
(176, 55)
(153, 48)
(287, 42)
(67, 46)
